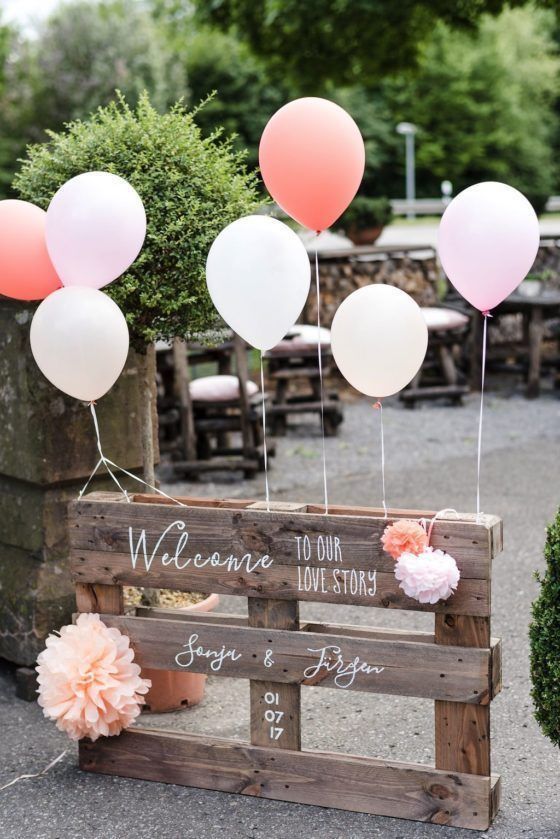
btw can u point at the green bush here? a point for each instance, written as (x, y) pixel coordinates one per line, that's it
(544, 636)
(366, 212)
(191, 187)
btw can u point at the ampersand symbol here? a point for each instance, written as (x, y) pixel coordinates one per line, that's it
(268, 660)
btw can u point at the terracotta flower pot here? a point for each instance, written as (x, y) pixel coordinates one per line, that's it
(173, 690)
(364, 235)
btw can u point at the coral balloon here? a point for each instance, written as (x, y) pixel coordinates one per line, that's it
(488, 240)
(379, 339)
(79, 339)
(312, 160)
(26, 270)
(96, 226)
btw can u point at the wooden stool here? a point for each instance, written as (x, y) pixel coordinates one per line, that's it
(294, 369)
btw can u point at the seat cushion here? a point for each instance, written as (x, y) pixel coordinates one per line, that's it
(218, 389)
(441, 320)
(303, 336)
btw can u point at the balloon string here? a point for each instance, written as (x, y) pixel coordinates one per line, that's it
(429, 527)
(486, 315)
(321, 384)
(379, 406)
(265, 452)
(104, 461)
(30, 775)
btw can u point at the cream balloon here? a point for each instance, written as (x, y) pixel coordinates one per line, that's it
(79, 339)
(258, 276)
(95, 229)
(379, 339)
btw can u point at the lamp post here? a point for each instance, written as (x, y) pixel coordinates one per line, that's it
(408, 129)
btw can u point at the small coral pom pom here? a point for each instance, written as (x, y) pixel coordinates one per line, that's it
(428, 577)
(88, 683)
(404, 536)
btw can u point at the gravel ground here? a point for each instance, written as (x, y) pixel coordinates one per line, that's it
(430, 463)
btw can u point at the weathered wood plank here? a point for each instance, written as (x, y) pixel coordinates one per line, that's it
(289, 537)
(458, 674)
(462, 731)
(275, 706)
(103, 599)
(362, 785)
(360, 588)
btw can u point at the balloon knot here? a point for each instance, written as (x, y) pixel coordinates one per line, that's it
(486, 313)
(377, 405)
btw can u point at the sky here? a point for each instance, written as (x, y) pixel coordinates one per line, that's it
(26, 11)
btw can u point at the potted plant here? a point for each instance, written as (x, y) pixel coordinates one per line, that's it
(172, 690)
(365, 218)
(191, 187)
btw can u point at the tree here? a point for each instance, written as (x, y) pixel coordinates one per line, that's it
(246, 96)
(544, 636)
(81, 54)
(8, 144)
(313, 42)
(484, 105)
(191, 187)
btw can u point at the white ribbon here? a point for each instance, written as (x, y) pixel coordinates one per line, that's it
(265, 452)
(104, 461)
(429, 527)
(320, 360)
(486, 315)
(34, 774)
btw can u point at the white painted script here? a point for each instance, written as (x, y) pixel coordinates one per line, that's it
(177, 529)
(319, 569)
(331, 661)
(193, 651)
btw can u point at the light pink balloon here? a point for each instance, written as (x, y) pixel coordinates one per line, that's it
(95, 229)
(488, 240)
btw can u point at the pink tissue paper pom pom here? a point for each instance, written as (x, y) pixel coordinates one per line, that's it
(404, 536)
(429, 577)
(88, 683)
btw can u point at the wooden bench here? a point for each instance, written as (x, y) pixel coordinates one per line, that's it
(275, 559)
(293, 371)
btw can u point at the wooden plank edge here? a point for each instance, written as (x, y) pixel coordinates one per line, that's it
(495, 667)
(485, 520)
(364, 785)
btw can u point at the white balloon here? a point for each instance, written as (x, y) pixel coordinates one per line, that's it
(379, 339)
(95, 229)
(258, 276)
(79, 339)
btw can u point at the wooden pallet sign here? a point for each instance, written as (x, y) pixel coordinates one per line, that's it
(276, 558)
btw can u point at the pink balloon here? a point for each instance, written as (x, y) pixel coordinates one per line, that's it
(312, 160)
(95, 229)
(488, 240)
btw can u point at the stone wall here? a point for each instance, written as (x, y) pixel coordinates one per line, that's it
(415, 272)
(47, 451)
(547, 263)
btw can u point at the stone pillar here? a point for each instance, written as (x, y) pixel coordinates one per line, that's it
(47, 452)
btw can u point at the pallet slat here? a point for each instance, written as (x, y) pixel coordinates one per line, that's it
(280, 582)
(458, 674)
(363, 785)
(350, 540)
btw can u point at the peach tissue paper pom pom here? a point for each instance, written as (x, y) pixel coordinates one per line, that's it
(404, 536)
(88, 683)
(431, 576)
